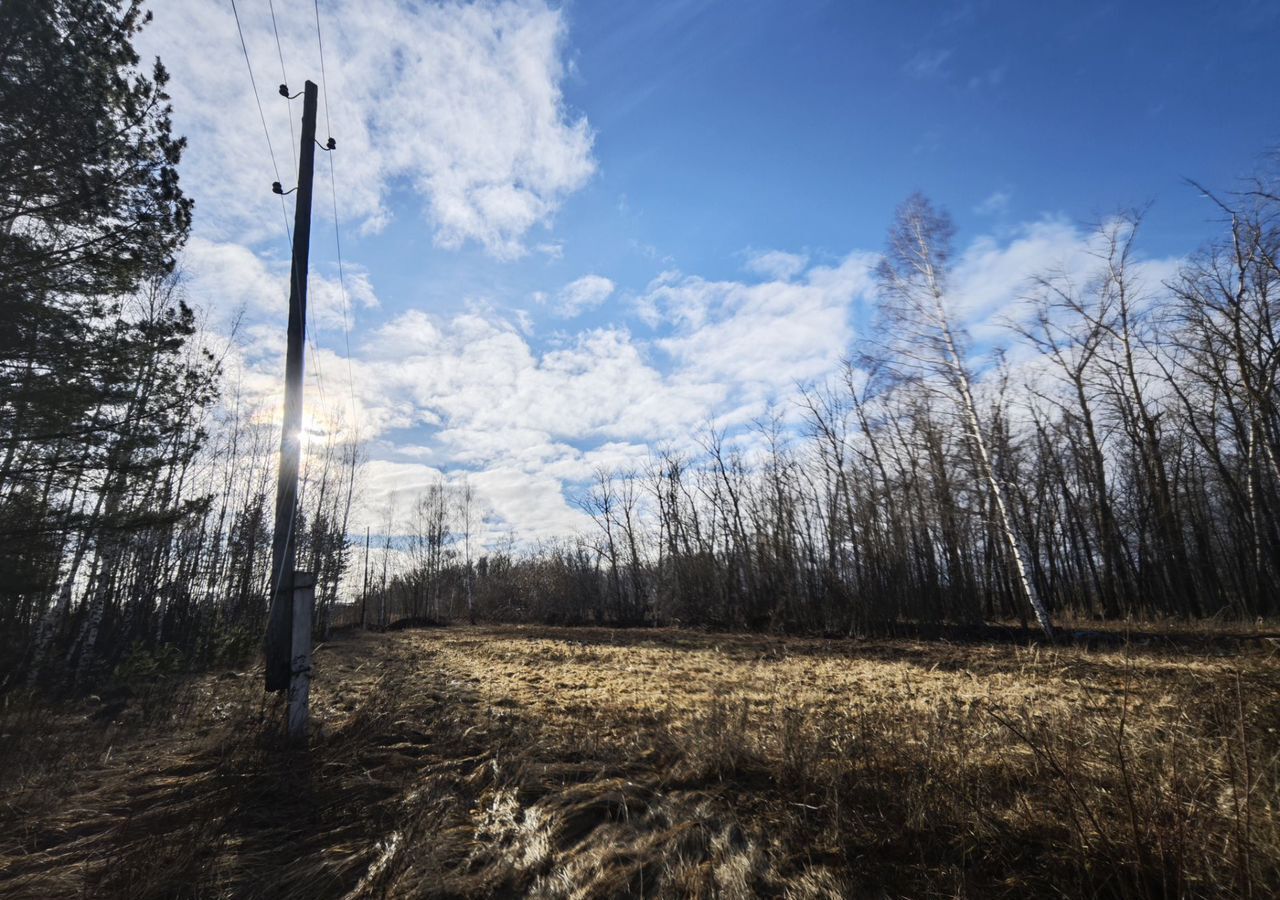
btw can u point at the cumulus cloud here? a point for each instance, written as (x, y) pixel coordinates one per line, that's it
(514, 414)
(990, 276)
(229, 279)
(991, 279)
(583, 294)
(461, 102)
(475, 392)
(760, 339)
(495, 395)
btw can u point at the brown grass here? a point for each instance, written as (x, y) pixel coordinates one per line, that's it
(476, 762)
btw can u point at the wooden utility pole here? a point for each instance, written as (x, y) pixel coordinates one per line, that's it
(279, 649)
(304, 603)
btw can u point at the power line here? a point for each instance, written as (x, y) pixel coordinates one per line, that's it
(315, 369)
(316, 373)
(324, 83)
(342, 289)
(337, 237)
(253, 82)
(284, 78)
(337, 240)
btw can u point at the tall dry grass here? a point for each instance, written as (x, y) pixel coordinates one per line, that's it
(581, 763)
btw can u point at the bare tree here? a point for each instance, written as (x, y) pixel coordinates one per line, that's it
(427, 546)
(914, 305)
(468, 511)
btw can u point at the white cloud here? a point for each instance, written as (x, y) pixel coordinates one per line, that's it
(583, 294)
(493, 400)
(460, 102)
(759, 340)
(992, 279)
(990, 276)
(473, 392)
(536, 503)
(229, 279)
(777, 264)
(493, 393)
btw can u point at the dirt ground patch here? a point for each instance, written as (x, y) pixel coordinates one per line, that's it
(505, 761)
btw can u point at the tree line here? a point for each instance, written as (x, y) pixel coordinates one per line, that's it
(1115, 458)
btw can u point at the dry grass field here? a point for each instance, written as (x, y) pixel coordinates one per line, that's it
(573, 763)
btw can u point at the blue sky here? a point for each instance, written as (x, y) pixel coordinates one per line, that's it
(725, 126)
(576, 230)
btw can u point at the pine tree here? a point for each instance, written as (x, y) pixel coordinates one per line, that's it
(95, 388)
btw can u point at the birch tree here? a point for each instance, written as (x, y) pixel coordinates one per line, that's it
(918, 315)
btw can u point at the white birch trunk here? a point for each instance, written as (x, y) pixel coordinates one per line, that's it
(969, 408)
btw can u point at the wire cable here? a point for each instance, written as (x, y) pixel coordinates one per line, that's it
(324, 81)
(342, 290)
(284, 79)
(337, 240)
(337, 236)
(278, 579)
(317, 376)
(253, 82)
